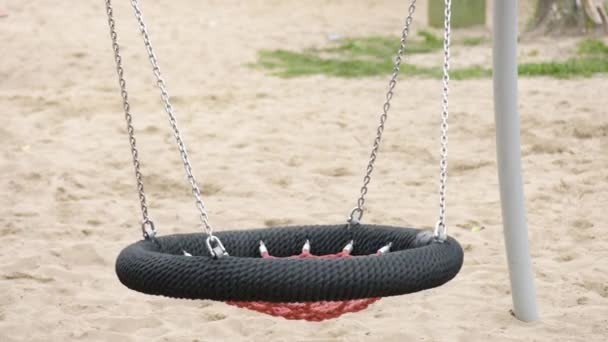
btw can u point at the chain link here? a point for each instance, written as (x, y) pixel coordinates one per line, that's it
(357, 212)
(147, 226)
(440, 227)
(160, 82)
(213, 243)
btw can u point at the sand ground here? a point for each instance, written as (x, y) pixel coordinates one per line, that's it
(274, 151)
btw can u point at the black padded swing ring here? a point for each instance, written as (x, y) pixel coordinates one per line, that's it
(415, 263)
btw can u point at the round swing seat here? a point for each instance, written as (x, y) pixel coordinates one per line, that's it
(416, 262)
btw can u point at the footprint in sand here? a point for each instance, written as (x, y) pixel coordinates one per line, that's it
(240, 145)
(582, 224)
(584, 130)
(215, 316)
(582, 231)
(596, 286)
(565, 257)
(33, 176)
(335, 172)
(151, 129)
(282, 182)
(295, 162)
(547, 147)
(210, 189)
(79, 54)
(26, 276)
(83, 254)
(459, 167)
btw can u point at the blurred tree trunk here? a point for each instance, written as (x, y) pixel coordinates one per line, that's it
(570, 17)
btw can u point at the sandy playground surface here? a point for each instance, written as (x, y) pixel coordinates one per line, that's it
(275, 151)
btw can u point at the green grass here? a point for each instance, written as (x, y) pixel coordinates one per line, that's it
(430, 40)
(470, 73)
(353, 57)
(381, 47)
(472, 41)
(593, 47)
(574, 67)
(284, 63)
(592, 59)
(290, 64)
(372, 56)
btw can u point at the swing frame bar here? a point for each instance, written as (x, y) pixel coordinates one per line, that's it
(508, 152)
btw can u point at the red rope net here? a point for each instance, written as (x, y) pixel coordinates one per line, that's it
(309, 311)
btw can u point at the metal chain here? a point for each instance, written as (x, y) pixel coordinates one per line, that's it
(160, 82)
(357, 212)
(440, 227)
(147, 226)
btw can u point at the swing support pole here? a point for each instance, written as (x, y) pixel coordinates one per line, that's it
(509, 160)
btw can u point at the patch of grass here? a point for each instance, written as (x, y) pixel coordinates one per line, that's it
(574, 67)
(592, 47)
(470, 73)
(375, 46)
(382, 47)
(431, 41)
(592, 59)
(472, 41)
(284, 63)
(290, 64)
(372, 56)
(353, 57)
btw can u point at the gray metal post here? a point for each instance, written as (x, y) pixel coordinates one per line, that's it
(509, 160)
